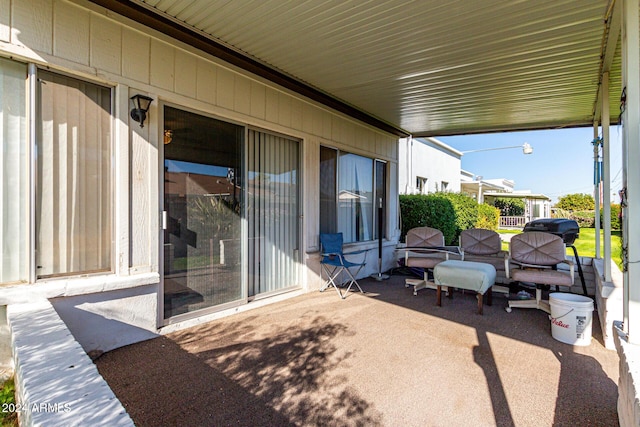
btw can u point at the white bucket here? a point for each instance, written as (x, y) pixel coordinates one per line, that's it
(571, 317)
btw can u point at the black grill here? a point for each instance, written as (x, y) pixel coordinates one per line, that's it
(566, 228)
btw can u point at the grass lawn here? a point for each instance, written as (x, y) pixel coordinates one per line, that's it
(586, 244)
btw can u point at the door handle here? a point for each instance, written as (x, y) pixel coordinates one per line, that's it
(164, 220)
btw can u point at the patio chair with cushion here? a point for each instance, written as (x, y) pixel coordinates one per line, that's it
(424, 249)
(481, 245)
(334, 263)
(538, 258)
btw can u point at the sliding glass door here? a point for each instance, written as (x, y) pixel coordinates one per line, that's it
(231, 213)
(202, 216)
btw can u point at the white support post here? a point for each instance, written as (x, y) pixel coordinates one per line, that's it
(631, 175)
(596, 185)
(606, 178)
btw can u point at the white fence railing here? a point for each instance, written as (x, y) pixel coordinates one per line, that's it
(512, 222)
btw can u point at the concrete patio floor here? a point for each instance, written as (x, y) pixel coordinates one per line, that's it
(383, 358)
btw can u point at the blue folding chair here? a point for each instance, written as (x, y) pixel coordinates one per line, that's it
(333, 263)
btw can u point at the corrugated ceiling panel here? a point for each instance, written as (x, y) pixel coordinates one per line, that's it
(428, 66)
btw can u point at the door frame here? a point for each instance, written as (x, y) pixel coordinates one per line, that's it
(243, 300)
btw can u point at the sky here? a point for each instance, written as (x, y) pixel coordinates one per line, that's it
(561, 162)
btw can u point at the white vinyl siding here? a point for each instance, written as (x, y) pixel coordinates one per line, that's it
(14, 173)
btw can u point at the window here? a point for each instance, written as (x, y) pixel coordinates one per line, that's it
(73, 186)
(421, 185)
(68, 206)
(351, 187)
(444, 185)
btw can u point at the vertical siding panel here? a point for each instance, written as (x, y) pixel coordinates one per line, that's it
(140, 238)
(206, 81)
(225, 87)
(71, 33)
(296, 113)
(325, 131)
(284, 109)
(336, 129)
(106, 45)
(5, 20)
(32, 24)
(106, 42)
(136, 52)
(350, 132)
(242, 98)
(162, 65)
(272, 105)
(258, 100)
(185, 67)
(308, 112)
(318, 122)
(381, 148)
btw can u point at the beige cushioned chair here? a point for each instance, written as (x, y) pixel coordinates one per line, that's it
(481, 245)
(540, 258)
(425, 249)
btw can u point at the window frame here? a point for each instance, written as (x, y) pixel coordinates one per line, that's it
(34, 107)
(110, 201)
(338, 154)
(422, 185)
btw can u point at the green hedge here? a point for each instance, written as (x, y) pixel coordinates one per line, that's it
(448, 212)
(488, 217)
(615, 217)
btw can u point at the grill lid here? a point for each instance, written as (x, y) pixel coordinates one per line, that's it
(568, 229)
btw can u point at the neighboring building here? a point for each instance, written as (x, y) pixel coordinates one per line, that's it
(487, 190)
(428, 166)
(215, 205)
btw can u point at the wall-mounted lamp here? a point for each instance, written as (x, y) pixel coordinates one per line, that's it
(168, 136)
(139, 107)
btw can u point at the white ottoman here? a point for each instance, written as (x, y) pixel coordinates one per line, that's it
(473, 276)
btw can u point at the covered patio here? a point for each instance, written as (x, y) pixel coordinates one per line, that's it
(382, 358)
(345, 77)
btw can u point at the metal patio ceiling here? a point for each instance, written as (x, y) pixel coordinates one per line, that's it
(427, 67)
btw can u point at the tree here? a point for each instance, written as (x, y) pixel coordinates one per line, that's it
(576, 202)
(509, 206)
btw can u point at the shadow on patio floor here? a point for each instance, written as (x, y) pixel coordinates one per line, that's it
(383, 358)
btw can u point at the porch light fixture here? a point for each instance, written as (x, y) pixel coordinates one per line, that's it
(526, 149)
(140, 105)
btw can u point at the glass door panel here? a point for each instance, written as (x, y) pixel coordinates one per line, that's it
(273, 212)
(202, 218)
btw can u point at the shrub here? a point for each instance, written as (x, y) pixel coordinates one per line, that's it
(576, 202)
(448, 212)
(585, 219)
(466, 209)
(509, 206)
(561, 213)
(488, 217)
(615, 217)
(420, 210)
